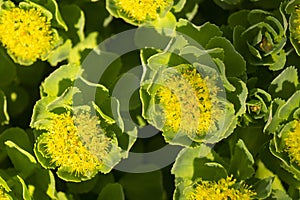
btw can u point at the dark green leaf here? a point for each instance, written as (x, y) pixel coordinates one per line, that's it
(263, 188)
(112, 191)
(21, 159)
(241, 164)
(235, 65)
(147, 186)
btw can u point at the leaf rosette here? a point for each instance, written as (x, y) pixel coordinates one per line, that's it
(188, 89)
(260, 37)
(74, 134)
(258, 104)
(201, 173)
(283, 123)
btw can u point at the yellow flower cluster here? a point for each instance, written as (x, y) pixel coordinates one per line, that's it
(3, 195)
(143, 9)
(297, 23)
(187, 100)
(221, 190)
(76, 143)
(26, 34)
(292, 142)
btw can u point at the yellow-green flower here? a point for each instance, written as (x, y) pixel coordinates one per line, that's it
(26, 33)
(296, 31)
(221, 190)
(188, 102)
(76, 143)
(3, 195)
(142, 10)
(292, 142)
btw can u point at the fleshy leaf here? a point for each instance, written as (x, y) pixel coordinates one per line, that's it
(16, 135)
(201, 34)
(235, 65)
(62, 78)
(4, 117)
(239, 96)
(75, 19)
(152, 186)
(112, 191)
(263, 188)
(60, 53)
(21, 159)
(183, 166)
(7, 68)
(285, 84)
(241, 164)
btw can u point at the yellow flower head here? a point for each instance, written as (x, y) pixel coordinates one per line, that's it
(26, 33)
(292, 142)
(222, 190)
(76, 143)
(296, 21)
(3, 195)
(142, 10)
(188, 102)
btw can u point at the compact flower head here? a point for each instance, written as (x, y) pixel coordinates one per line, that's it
(188, 101)
(76, 143)
(138, 12)
(141, 10)
(223, 189)
(3, 195)
(26, 33)
(292, 142)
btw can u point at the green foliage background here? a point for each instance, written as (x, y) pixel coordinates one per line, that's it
(255, 47)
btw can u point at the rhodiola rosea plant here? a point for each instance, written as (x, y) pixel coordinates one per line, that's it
(149, 99)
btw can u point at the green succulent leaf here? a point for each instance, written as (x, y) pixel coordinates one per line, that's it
(76, 55)
(285, 84)
(151, 182)
(113, 190)
(74, 18)
(260, 37)
(201, 34)
(25, 192)
(241, 164)
(16, 135)
(235, 64)
(21, 159)
(4, 117)
(263, 188)
(7, 68)
(184, 164)
(55, 84)
(60, 53)
(238, 96)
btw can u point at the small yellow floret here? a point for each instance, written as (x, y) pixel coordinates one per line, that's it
(292, 142)
(221, 190)
(143, 9)
(26, 34)
(76, 143)
(187, 101)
